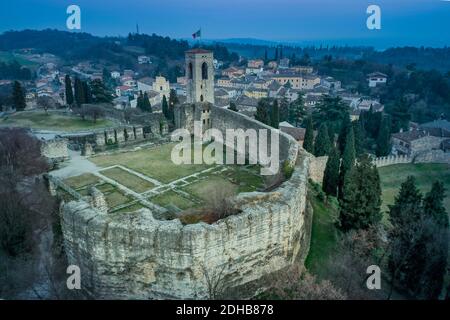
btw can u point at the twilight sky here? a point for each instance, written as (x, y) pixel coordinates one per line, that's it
(404, 22)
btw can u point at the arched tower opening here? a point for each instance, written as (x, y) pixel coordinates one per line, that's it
(204, 71)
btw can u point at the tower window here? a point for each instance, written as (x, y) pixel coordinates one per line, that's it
(201, 98)
(190, 70)
(204, 71)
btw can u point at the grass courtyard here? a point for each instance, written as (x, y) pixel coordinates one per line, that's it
(150, 176)
(51, 121)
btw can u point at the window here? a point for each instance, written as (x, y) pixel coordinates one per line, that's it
(201, 98)
(190, 70)
(204, 71)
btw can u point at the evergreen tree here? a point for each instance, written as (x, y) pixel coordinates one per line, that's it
(87, 92)
(406, 216)
(275, 115)
(262, 113)
(331, 109)
(331, 175)
(146, 106)
(433, 204)
(173, 101)
(308, 142)
(383, 139)
(400, 115)
(359, 137)
(69, 90)
(140, 101)
(322, 143)
(18, 96)
(79, 92)
(233, 107)
(165, 107)
(276, 54)
(348, 160)
(344, 129)
(265, 56)
(297, 110)
(331, 134)
(99, 93)
(361, 200)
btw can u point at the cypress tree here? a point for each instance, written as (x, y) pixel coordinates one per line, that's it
(345, 127)
(308, 143)
(69, 90)
(322, 143)
(233, 107)
(383, 139)
(348, 160)
(275, 114)
(361, 200)
(359, 137)
(165, 107)
(173, 101)
(79, 92)
(18, 96)
(331, 175)
(146, 106)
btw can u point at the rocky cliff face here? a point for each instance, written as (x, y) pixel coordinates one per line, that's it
(133, 255)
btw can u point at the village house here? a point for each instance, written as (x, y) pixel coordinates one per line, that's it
(144, 60)
(376, 78)
(255, 63)
(255, 93)
(233, 72)
(414, 142)
(115, 74)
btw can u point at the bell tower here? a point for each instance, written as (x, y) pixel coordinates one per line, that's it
(199, 76)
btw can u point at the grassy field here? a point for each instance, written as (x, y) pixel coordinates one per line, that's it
(154, 162)
(323, 235)
(129, 180)
(8, 57)
(203, 189)
(83, 180)
(51, 121)
(171, 198)
(425, 173)
(116, 198)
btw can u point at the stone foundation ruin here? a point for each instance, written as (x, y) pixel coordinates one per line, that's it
(135, 255)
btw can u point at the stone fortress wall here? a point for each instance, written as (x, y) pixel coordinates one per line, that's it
(134, 255)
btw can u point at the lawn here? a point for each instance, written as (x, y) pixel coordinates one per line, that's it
(115, 199)
(425, 173)
(51, 121)
(323, 235)
(127, 179)
(81, 181)
(171, 198)
(153, 162)
(212, 186)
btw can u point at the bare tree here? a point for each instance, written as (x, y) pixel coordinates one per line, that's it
(219, 201)
(215, 282)
(298, 284)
